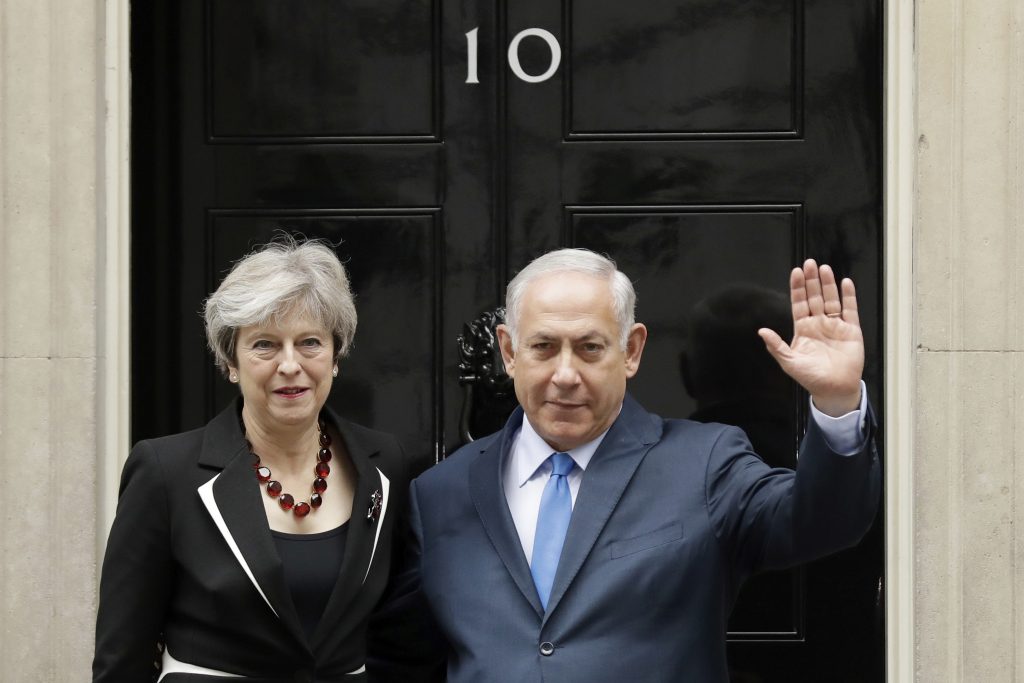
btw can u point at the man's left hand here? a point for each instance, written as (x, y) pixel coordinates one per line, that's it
(826, 355)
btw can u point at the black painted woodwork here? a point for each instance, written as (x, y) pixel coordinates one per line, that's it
(706, 145)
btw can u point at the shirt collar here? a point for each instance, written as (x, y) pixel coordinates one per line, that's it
(531, 451)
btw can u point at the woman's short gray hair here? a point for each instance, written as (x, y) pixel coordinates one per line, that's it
(573, 261)
(280, 278)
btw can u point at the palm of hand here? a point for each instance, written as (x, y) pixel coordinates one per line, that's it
(826, 354)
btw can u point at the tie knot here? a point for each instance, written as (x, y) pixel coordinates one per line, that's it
(561, 464)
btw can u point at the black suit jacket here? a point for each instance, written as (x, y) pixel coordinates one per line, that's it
(190, 561)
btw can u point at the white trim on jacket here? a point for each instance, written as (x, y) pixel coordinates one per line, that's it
(170, 665)
(385, 486)
(206, 493)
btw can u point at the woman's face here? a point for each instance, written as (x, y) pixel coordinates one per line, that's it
(284, 371)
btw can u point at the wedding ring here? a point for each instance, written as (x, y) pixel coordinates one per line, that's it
(833, 315)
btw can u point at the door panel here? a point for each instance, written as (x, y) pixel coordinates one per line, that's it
(663, 69)
(706, 145)
(322, 70)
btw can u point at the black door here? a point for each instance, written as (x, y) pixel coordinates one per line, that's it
(706, 145)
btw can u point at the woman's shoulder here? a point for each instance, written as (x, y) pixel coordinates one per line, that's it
(179, 441)
(155, 466)
(180, 452)
(173, 445)
(220, 434)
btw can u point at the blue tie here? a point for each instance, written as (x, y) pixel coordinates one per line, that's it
(552, 523)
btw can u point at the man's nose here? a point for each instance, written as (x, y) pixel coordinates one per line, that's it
(566, 374)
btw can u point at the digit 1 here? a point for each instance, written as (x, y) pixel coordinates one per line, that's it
(471, 55)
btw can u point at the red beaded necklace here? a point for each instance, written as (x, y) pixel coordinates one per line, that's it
(321, 470)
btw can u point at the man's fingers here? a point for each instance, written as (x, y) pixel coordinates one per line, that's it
(798, 294)
(813, 285)
(813, 291)
(850, 313)
(829, 290)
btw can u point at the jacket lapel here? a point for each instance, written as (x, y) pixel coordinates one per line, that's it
(609, 472)
(488, 494)
(233, 502)
(362, 545)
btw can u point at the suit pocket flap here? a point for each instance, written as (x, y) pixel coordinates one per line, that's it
(646, 541)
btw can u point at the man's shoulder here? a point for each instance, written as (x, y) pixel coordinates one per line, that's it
(674, 428)
(651, 427)
(693, 448)
(666, 430)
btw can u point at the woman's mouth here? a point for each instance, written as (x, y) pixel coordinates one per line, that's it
(290, 392)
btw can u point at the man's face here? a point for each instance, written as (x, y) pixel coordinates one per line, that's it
(569, 367)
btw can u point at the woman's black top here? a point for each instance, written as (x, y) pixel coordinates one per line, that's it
(311, 563)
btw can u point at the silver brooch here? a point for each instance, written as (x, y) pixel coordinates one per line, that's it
(373, 512)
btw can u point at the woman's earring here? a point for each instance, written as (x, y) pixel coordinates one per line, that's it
(335, 373)
(233, 378)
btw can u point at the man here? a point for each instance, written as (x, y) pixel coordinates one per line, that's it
(592, 541)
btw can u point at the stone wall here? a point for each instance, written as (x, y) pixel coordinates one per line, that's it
(50, 119)
(969, 369)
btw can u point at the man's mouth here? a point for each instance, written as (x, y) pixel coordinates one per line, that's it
(565, 405)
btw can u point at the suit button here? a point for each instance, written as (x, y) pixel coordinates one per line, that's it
(547, 649)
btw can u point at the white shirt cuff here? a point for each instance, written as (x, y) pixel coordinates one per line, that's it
(845, 434)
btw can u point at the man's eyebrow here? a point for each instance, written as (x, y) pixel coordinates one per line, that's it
(589, 335)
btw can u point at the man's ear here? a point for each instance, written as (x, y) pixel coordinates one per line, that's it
(508, 355)
(635, 348)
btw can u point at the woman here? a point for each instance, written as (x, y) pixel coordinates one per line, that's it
(257, 546)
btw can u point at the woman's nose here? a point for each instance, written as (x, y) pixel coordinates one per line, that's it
(288, 363)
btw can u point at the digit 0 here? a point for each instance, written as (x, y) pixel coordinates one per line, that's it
(513, 54)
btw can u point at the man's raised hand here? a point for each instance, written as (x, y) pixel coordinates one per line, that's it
(826, 355)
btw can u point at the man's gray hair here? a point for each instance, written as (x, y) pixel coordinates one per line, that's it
(573, 261)
(280, 278)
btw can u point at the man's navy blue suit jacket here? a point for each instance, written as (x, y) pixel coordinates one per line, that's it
(671, 517)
